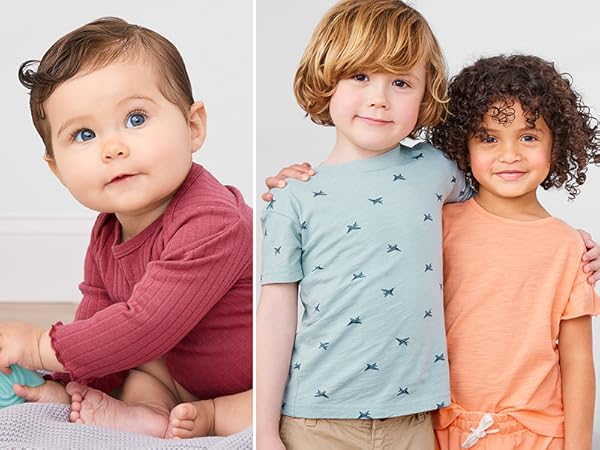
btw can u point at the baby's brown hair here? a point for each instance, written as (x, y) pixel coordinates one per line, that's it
(96, 45)
(358, 36)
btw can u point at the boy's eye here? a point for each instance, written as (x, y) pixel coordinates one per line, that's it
(360, 77)
(135, 120)
(488, 139)
(83, 135)
(529, 138)
(400, 83)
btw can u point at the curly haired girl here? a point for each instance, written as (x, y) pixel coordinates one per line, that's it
(519, 331)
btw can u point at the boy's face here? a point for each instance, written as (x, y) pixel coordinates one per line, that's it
(119, 146)
(373, 112)
(511, 160)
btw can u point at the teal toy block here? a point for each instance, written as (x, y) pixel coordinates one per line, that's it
(19, 375)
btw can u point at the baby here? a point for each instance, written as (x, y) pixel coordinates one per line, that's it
(166, 312)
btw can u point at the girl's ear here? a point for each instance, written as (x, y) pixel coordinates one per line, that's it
(197, 122)
(52, 165)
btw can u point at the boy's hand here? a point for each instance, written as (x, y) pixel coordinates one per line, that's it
(300, 172)
(269, 442)
(591, 257)
(19, 344)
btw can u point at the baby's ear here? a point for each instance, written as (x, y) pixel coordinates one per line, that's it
(197, 121)
(51, 164)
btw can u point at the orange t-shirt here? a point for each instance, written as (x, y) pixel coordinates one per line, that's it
(508, 284)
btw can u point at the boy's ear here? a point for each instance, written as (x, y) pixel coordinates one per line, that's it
(197, 121)
(51, 164)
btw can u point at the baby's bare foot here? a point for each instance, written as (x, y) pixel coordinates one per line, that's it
(94, 407)
(49, 392)
(189, 420)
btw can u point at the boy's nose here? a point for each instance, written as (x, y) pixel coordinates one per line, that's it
(114, 150)
(509, 153)
(378, 97)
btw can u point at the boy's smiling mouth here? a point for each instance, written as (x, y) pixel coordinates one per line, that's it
(510, 175)
(374, 120)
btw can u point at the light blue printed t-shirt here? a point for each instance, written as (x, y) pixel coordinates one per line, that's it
(364, 239)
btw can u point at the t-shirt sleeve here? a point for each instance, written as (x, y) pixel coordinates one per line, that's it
(461, 191)
(282, 239)
(583, 299)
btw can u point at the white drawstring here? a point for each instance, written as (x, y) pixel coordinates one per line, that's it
(480, 432)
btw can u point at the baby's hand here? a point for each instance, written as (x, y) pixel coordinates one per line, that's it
(300, 172)
(19, 344)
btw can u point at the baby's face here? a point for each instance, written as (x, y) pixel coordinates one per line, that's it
(119, 146)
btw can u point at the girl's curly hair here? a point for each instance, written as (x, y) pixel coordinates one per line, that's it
(542, 91)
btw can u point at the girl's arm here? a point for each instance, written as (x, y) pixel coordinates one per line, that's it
(578, 381)
(276, 321)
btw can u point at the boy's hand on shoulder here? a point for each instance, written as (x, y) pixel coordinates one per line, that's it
(591, 258)
(19, 344)
(300, 172)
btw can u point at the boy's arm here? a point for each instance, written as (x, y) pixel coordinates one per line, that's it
(276, 321)
(578, 381)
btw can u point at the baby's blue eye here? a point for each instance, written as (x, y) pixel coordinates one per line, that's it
(135, 120)
(84, 135)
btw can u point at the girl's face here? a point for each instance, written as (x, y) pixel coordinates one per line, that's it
(510, 160)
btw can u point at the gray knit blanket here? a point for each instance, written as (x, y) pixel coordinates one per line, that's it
(46, 426)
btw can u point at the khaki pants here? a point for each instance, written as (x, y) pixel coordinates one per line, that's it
(412, 432)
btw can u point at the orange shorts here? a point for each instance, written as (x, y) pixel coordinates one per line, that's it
(511, 435)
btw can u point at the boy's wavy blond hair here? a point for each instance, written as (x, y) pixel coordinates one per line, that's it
(358, 36)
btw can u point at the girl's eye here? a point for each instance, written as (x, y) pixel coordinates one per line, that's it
(83, 135)
(135, 120)
(488, 139)
(529, 138)
(360, 77)
(400, 83)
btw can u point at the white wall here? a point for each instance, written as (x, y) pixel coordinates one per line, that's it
(43, 231)
(563, 32)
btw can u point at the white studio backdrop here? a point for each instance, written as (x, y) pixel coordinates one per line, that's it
(466, 30)
(43, 231)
